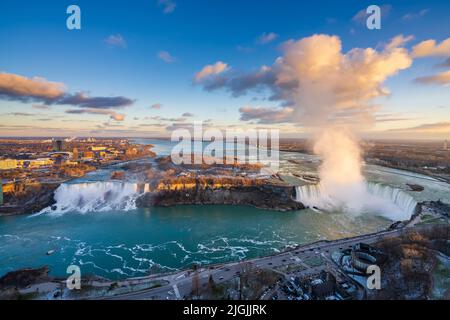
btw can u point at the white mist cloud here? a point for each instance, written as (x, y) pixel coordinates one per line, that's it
(332, 87)
(329, 91)
(330, 84)
(319, 84)
(341, 179)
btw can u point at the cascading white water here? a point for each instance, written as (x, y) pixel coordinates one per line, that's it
(397, 196)
(390, 202)
(94, 196)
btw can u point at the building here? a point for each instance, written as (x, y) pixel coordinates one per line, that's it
(88, 155)
(321, 286)
(98, 148)
(360, 257)
(445, 145)
(75, 154)
(71, 163)
(8, 164)
(58, 145)
(41, 162)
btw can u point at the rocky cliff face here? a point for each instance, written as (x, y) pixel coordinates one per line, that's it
(273, 197)
(24, 277)
(36, 198)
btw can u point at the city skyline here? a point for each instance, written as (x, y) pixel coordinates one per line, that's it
(145, 70)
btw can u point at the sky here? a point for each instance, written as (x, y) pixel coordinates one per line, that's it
(145, 68)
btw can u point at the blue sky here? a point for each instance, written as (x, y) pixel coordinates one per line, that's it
(36, 43)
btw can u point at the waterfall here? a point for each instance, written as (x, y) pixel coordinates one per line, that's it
(310, 195)
(95, 196)
(390, 202)
(400, 198)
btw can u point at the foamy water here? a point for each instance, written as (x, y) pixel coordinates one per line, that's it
(97, 196)
(393, 203)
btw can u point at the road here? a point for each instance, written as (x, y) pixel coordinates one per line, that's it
(180, 283)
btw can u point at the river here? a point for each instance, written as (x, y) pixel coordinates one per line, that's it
(119, 242)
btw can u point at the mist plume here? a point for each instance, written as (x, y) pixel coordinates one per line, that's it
(331, 93)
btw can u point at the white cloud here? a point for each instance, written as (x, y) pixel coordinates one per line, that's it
(40, 106)
(167, 5)
(318, 83)
(430, 48)
(156, 106)
(266, 115)
(112, 114)
(439, 79)
(211, 69)
(166, 57)
(267, 37)
(16, 86)
(414, 15)
(116, 40)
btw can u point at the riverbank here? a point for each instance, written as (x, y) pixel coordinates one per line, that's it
(428, 173)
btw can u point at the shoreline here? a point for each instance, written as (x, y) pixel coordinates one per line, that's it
(437, 178)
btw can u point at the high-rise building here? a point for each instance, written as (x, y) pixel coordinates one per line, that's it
(58, 145)
(445, 145)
